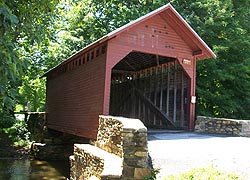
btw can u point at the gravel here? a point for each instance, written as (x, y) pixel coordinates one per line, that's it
(178, 152)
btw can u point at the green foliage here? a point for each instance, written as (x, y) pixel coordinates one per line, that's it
(18, 133)
(84, 21)
(209, 173)
(33, 91)
(6, 120)
(17, 130)
(223, 84)
(23, 26)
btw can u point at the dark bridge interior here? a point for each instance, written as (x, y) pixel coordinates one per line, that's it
(151, 88)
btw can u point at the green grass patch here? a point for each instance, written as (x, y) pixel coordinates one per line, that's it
(209, 173)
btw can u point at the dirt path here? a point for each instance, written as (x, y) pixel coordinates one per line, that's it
(8, 150)
(175, 153)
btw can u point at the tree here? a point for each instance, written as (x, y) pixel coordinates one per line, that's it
(23, 25)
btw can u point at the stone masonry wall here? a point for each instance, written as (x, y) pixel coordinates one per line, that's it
(222, 126)
(80, 169)
(124, 137)
(135, 150)
(109, 136)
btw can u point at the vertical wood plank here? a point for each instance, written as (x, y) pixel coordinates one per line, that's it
(144, 91)
(175, 91)
(155, 85)
(133, 99)
(182, 98)
(139, 101)
(168, 84)
(150, 81)
(161, 87)
(161, 90)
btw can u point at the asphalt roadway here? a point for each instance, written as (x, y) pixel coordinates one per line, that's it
(175, 152)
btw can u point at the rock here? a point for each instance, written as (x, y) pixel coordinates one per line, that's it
(142, 173)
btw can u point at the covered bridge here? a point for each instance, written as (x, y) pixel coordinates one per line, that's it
(145, 69)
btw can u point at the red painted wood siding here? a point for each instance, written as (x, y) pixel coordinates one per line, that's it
(154, 36)
(75, 99)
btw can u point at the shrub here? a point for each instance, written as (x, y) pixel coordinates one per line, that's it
(6, 120)
(18, 133)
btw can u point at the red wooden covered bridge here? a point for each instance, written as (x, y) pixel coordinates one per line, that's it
(145, 69)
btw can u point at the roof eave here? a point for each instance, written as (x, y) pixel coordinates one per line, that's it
(204, 47)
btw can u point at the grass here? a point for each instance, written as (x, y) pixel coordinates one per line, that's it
(208, 173)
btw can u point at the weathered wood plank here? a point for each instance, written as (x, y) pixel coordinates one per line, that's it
(175, 92)
(168, 84)
(155, 93)
(182, 99)
(161, 88)
(150, 81)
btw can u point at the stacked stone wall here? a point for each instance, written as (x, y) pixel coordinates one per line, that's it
(135, 150)
(109, 136)
(222, 126)
(123, 137)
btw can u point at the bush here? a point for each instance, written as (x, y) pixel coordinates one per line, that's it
(18, 133)
(6, 120)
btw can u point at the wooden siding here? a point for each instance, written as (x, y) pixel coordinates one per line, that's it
(75, 98)
(153, 36)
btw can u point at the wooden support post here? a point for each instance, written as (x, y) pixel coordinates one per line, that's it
(144, 93)
(139, 100)
(192, 93)
(150, 81)
(161, 91)
(161, 88)
(175, 91)
(168, 84)
(133, 102)
(190, 69)
(182, 99)
(155, 91)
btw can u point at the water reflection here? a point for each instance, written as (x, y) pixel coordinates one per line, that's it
(25, 169)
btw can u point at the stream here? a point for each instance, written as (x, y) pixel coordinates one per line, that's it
(25, 169)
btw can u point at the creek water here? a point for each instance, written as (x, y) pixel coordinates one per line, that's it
(25, 169)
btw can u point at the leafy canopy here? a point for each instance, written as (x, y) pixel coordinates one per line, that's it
(24, 26)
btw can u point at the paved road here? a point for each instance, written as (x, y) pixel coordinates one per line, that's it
(177, 152)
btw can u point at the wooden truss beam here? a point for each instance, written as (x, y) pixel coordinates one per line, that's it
(153, 107)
